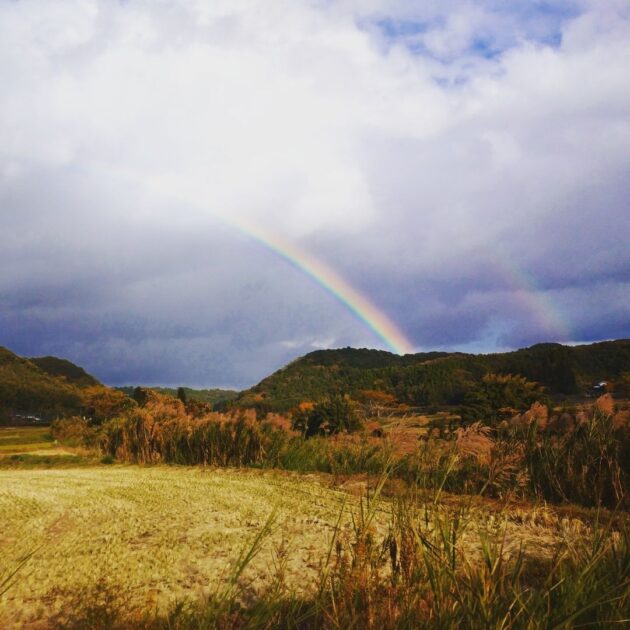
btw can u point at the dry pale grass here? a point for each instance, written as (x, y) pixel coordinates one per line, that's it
(14, 449)
(15, 440)
(405, 433)
(158, 534)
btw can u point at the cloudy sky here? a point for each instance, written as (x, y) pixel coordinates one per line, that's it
(463, 165)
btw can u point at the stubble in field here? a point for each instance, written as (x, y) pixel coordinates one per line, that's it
(154, 535)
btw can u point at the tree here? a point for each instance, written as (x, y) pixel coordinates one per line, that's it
(102, 403)
(330, 416)
(376, 401)
(498, 396)
(181, 394)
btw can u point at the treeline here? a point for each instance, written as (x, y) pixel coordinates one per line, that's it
(51, 387)
(211, 396)
(437, 379)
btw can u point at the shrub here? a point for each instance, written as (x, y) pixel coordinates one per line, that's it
(102, 403)
(74, 431)
(498, 397)
(328, 417)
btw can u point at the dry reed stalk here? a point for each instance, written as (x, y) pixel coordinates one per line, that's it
(475, 441)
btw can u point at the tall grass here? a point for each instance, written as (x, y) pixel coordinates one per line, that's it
(333, 455)
(585, 461)
(587, 464)
(582, 459)
(216, 439)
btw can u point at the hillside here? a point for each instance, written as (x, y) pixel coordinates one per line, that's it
(48, 386)
(25, 388)
(65, 369)
(435, 378)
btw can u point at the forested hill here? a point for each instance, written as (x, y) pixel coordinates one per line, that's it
(49, 386)
(65, 369)
(26, 388)
(435, 378)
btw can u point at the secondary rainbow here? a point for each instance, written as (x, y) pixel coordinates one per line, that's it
(553, 322)
(330, 280)
(524, 287)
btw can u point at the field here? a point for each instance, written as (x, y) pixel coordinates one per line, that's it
(158, 520)
(25, 439)
(35, 446)
(154, 535)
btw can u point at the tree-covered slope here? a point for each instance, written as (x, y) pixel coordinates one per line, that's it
(65, 369)
(26, 388)
(434, 378)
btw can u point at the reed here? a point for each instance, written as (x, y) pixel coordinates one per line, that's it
(582, 459)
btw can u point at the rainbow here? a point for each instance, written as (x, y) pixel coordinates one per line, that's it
(521, 283)
(325, 276)
(523, 286)
(535, 300)
(330, 280)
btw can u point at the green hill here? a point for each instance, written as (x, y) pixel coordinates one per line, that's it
(434, 378)
(25, 388)
(65, 369)
(49, 386)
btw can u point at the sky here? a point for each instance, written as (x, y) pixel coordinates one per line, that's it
(197, 193)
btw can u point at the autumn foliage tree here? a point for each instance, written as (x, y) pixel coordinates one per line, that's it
(102, 403)
(499, 396)
(327, 417)
(376, 401)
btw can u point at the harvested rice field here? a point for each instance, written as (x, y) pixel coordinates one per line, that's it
(159, 534)
(25, 440)
(155, 535)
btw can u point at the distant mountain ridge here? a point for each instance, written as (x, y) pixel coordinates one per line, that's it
(434, 378)
(210, 396)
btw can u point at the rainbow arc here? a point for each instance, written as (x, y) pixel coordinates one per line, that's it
(375, 319)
